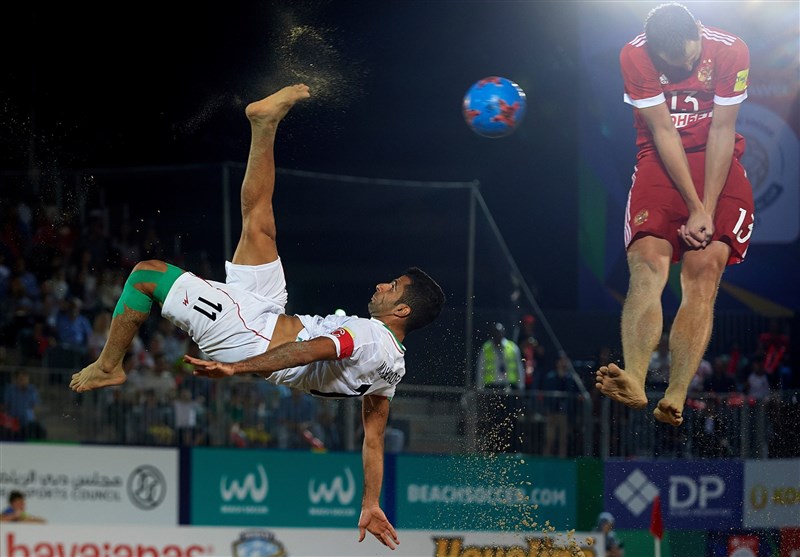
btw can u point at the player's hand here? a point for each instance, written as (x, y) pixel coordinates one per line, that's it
(374, 521)
(698, 230)
(210, 369)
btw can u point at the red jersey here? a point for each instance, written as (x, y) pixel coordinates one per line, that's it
(720, 76)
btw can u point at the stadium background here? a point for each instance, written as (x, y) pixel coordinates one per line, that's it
(138, 114)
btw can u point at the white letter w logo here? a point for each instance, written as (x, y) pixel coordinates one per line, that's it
(249, 486)
(336, 489)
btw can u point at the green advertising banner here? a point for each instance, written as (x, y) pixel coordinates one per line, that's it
(485, 492)
(235, 487)
(589, 485)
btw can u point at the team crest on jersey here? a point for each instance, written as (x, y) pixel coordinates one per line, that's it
(641, 217)
(705, 74)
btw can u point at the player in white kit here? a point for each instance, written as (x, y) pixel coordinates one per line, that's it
(242, 325)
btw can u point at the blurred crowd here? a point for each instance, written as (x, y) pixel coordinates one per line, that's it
(738, 389)
(61, 276)
(60, 280)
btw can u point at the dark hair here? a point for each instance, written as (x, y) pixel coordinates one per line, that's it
(14, 495)
(425, 298)
(667, 29)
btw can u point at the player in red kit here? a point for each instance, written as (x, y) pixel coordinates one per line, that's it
(690, 200)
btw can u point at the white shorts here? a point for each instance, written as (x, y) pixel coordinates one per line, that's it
(234, 320)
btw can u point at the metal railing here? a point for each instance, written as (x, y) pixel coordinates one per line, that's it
(250, 412)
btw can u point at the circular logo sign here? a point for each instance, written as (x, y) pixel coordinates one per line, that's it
(147, 487)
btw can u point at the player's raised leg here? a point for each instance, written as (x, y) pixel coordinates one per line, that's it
(642, 322)
(257, 242)
(691, 330)
(149, 280)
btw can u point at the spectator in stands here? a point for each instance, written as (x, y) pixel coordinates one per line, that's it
(99, 334)
(773, 345)
(202, 387)
(561, 392)
(786, 377)
(699, 378)
(712, 429)
(719, 382)
(73, 328)
(499, 378)
(27, 280)
(757, 386)
(395, 436)
(737, 364)
(153, 421)
(50, 303)
(57, 285)
(43, 338)
(136, 383)
(83, 285)
(118, 409)
(298, 427)
(21, 307)
(162, 379)
(758, 390)
(605, 528)
(21, 399)
(531, 350)
(9, 426)
(173, 341)
(233, 414)
(15, 512)
(327, 417)
(109, 288)
(187, 412)
(500, 363)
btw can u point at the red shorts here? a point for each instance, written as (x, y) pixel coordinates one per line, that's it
(656, 208)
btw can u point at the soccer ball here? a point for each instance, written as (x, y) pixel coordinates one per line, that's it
(494, 106)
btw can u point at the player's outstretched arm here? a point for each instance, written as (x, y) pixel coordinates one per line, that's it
(719, 153)
(699, 228)
(374, 521)
(375, 413)
(287, 355)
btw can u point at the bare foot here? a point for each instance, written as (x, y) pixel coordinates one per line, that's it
(94, 377)
(620, 386)
(669, 412)
(273, 108)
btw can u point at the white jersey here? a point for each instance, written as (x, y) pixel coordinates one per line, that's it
(235, 321)
(370, 359)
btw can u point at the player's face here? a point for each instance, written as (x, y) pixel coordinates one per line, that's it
(688, 61)
(386, 296)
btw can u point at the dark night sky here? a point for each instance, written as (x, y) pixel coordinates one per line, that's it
(163, 84)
